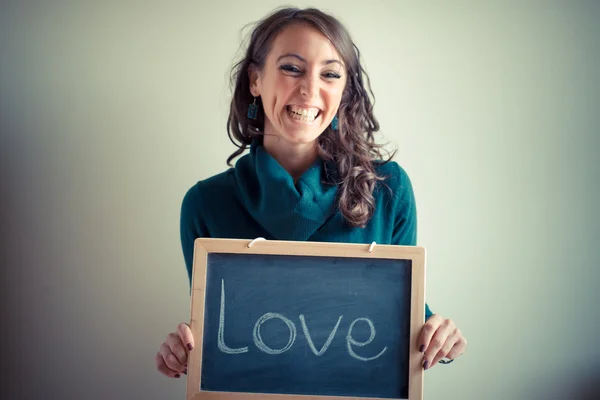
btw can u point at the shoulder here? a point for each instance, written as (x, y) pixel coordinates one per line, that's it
(205, 191)
(396, 178)
(398, 203)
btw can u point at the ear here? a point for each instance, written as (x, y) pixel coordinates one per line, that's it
(254, 76)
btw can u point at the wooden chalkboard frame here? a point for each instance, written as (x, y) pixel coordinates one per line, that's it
(204, 246)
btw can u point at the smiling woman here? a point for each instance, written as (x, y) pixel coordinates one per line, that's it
(314, 171)
(300, 83)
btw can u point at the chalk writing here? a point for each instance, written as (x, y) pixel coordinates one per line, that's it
(261, 345)
(350, 340)
(258, 339)
(220, 339)
(309, 339)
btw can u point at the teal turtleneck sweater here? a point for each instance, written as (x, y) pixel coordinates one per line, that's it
(258, 198)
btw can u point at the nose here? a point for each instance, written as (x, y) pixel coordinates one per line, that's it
(309, 86)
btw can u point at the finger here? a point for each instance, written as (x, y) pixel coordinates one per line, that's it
(428, 331)
(185, 334)
(445, 350)
(170, 359)
(458, 349)
(436, 343)
(176, 347)
(163, 368)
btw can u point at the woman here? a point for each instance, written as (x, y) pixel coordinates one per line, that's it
(313, 171)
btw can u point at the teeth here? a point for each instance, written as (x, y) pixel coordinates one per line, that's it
(302, 114)
(311, 112)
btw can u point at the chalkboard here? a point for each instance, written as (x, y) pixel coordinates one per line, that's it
(304, 320)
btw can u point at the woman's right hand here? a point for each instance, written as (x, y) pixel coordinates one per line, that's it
(172, 357)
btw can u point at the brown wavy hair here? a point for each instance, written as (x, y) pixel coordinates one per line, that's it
(351, 148)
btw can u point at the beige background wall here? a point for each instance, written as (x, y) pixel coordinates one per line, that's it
(110, 112)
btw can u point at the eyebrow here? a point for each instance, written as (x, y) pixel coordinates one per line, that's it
(326, 62)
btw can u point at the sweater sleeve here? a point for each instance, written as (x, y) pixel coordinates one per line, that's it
(405, 221)
(191, 227)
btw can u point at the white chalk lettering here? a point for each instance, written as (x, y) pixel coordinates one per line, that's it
(260, 344)
(258, 339)
(310, 341)
(220, 336)
(350, 341)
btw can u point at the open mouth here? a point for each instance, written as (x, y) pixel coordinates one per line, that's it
(307, 115)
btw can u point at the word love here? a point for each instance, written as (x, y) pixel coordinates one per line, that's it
(260, 344)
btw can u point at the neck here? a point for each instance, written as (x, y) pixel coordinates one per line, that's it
(295, 158)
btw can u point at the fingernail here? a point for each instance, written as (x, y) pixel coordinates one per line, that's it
(176, 375)
(425, 364)
(422, 348)
(185, 372)
(190, 347)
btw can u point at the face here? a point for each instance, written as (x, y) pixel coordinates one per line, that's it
(300, 85)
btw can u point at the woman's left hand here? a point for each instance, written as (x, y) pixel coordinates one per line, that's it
(440, 338)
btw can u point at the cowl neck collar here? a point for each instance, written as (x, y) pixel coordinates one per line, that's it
(286, 210)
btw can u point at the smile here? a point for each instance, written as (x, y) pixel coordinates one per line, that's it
(300, 114)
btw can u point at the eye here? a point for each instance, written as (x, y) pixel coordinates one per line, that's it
(289, 68)
(332, 75)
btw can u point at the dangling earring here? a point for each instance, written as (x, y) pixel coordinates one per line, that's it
(252, 110)
(334, 123)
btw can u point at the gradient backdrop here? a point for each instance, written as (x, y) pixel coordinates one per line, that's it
(110, 111)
